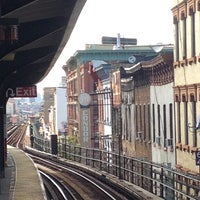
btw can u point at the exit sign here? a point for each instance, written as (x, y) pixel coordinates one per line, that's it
(30, 91)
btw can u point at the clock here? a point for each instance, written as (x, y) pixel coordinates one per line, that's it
(131, 59)
(84, 99)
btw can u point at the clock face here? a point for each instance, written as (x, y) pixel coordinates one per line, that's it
(131, 59)
(84, 99)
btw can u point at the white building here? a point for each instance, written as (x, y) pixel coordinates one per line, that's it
(161, 98)
(107, 139)
(55, 104)
(60, 105)
(103, 72)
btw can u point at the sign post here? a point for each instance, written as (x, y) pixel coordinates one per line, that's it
(197, 157)
(84, 101)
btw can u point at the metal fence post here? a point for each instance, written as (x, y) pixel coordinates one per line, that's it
(54, 145)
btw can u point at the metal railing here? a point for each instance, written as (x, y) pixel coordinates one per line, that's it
(158, 179)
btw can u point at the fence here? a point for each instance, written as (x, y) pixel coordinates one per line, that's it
(160, 180)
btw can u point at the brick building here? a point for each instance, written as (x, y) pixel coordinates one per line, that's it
(82, 77)
(80, 81)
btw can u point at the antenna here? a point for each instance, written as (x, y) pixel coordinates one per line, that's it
(118, 41)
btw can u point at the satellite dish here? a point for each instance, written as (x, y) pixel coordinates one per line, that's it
(131, 59)
(157, 48)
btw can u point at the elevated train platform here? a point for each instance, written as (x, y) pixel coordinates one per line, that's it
(22, 180)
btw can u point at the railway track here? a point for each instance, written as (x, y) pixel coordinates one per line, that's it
(64, 183)
(75, 184)
(16, 136)
(63, 180)
(56, 189)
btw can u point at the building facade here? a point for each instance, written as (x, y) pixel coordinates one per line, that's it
(104, 101)
(55, 110)
(186, 15)
(162, 110)
(83, 77)
(147, 110)
(60, 105)
(48, 99)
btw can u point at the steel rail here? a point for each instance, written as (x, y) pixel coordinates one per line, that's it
(52, 180)
(62, 168)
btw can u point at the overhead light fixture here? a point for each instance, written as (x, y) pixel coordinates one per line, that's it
(9, 57)
(8, 30)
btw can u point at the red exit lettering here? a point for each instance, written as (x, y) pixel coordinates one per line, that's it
(26, 91)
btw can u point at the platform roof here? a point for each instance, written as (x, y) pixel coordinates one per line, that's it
(44, 27)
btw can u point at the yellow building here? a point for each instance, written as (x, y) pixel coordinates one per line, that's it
(186, 19)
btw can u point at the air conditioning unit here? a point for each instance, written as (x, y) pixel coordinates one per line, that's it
(169, 142)
(139, 136)
(158, 140)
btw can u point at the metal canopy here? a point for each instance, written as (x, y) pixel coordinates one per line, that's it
(44, 27)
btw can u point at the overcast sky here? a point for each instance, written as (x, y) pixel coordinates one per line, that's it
(149, 21)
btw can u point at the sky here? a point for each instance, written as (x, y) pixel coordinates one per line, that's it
(149, 21)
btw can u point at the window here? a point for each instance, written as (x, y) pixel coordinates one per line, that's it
(184, 37)
(177, 41)
(178, 121)
(171, 120)
(193, 48)
(136, 118)
(153, 119)
(186, 121)
(194, 119)
(140, 113)
(164, 125)
(129, 124)
(158, 113)
(126, 123)
(148, 122)
(144, 124)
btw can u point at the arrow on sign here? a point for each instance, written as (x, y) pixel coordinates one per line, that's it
(10, 92)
